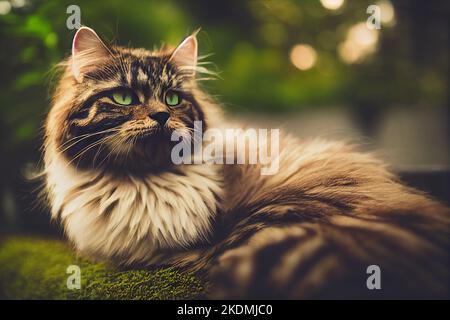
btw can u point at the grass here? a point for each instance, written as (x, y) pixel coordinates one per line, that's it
(32, 268)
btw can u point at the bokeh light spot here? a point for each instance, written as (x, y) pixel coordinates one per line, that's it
(5, 7)
(387, 12)
(332, 4)
(303, 56)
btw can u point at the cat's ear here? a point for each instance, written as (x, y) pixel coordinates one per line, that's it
(87, 51)
(185, 55)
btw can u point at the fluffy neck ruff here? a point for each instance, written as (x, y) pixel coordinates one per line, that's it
(130, 219)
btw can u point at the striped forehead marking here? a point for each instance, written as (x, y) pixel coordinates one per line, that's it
(142, 77)
(147, 75)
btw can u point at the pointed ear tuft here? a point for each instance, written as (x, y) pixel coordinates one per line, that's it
(87, 51)
(185, 55)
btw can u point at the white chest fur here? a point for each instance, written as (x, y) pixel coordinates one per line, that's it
(132, 219)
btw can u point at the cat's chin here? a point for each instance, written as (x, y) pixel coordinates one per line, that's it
(151, 152)
(146, 153)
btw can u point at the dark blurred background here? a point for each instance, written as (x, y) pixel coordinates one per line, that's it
(310, 66)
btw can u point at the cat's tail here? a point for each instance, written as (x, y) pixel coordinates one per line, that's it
(397, 253)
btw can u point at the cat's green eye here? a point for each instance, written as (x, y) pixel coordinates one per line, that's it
(123, 97)
(172, 99)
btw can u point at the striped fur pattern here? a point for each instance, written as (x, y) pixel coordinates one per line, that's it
(309, 231)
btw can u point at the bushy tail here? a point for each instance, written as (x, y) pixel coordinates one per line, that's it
(331, 258)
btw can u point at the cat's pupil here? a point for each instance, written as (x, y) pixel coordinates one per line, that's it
(172, 99)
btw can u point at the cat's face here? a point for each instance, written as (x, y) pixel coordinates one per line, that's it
(127, 102)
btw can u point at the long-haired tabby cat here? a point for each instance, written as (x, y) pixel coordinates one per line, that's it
(309, 231)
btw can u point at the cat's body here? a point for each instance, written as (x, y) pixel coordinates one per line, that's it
(308, 231)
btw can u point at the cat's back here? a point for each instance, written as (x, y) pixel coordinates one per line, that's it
(313, 168)
(312, 229)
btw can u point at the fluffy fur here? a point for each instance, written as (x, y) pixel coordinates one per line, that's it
(309, 231)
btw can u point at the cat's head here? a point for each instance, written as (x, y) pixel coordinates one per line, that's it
(118, 106)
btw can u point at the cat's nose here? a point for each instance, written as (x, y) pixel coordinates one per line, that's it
(161, 117)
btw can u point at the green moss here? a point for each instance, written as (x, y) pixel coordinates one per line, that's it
(33, 268)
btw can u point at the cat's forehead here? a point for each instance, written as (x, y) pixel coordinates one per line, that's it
(142, 70)
(144, 67)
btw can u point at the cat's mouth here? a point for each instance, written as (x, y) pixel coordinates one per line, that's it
(151, 132)
(144, 132)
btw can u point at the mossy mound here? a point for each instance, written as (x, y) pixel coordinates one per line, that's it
(33, 268)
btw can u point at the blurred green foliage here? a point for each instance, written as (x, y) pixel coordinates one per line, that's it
(251, 43)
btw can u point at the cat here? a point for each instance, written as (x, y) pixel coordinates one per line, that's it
(309, 231)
